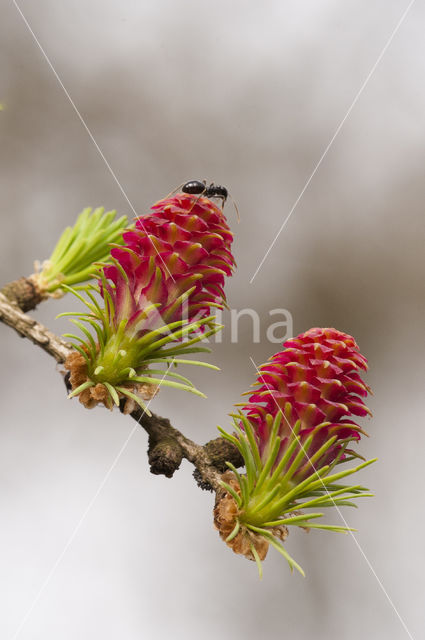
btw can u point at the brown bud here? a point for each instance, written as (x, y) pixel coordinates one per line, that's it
(225, 517)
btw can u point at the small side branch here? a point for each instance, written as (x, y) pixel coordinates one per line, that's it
(161, 431)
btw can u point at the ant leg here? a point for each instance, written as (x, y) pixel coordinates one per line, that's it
(174, 190)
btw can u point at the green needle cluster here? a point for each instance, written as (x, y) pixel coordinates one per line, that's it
(79, 247)
(268, 496)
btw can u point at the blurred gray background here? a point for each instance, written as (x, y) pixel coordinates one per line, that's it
(249, 95)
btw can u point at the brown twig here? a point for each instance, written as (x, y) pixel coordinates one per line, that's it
(28, 327)
(167, 445)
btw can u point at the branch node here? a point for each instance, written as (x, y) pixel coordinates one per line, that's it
(24, 293)
(221, 451)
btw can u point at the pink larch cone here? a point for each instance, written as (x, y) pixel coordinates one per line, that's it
(159, 299)
(315, 380)
(183, 244)
(292, 434)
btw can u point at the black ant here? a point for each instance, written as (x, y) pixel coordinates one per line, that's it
(196, 187)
